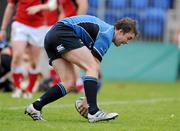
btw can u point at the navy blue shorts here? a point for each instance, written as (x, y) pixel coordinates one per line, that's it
(59, 40)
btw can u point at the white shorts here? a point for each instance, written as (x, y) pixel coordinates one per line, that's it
(32, 35)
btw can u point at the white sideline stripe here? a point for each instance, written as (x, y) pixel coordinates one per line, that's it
(149, 101)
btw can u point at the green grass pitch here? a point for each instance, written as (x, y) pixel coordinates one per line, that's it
(141, 106)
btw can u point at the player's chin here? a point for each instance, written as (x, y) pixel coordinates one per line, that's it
(117, 44)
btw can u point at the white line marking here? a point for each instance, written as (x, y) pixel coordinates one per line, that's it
(148, 101)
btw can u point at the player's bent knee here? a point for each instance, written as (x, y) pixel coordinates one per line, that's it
(93, 70)
(69, 85)
(17, 56)
(16, 59)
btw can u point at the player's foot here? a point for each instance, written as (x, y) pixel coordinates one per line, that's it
(27, 95)
(82, 106)
(101, 116)
(17, 93)
(33, 113)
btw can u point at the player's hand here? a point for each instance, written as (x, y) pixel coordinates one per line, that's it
(84, 108)
(3, 35)
(33, 10)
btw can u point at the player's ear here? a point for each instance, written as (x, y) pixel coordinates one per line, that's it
(120, 31)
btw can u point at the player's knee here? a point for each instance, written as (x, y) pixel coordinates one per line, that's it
(16, 58)
(33, 65)
(18, 54)
(93, 70)
(69, 85)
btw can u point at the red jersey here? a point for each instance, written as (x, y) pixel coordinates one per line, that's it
(69, 7)
(50, 17)
(21, 15)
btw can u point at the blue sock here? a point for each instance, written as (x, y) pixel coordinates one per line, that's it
(51, 95)
(99, 84)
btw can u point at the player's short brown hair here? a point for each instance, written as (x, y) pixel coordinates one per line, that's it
(127, 25)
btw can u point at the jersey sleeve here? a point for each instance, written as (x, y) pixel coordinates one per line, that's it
(103, 41)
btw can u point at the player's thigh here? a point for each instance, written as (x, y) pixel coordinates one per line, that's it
(18, 38)
(77, 72)
(18, 48)
(84, 59)
(66, 72)
(34, 53)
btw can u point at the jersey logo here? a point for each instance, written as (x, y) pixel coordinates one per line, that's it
(60, 48)
(90, 45)
(81, 42)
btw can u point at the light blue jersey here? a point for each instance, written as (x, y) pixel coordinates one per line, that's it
(95, 33)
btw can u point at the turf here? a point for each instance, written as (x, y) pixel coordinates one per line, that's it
(141, 107)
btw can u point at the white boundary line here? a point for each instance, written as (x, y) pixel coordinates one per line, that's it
(145, 101)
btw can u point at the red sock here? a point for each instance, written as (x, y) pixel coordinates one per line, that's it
(79, 85)
(17, 77)
(32, 80)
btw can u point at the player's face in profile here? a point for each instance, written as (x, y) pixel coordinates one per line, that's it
(123, 38)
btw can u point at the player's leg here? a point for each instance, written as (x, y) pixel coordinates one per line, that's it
(35, 40)
(84, 59)
(79, 88)
(66, 71)
(81, 103)
(80, 84)
(34, 53)
(16, 67)
(19, 43)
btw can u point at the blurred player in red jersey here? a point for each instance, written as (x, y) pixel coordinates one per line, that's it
(27, 32)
